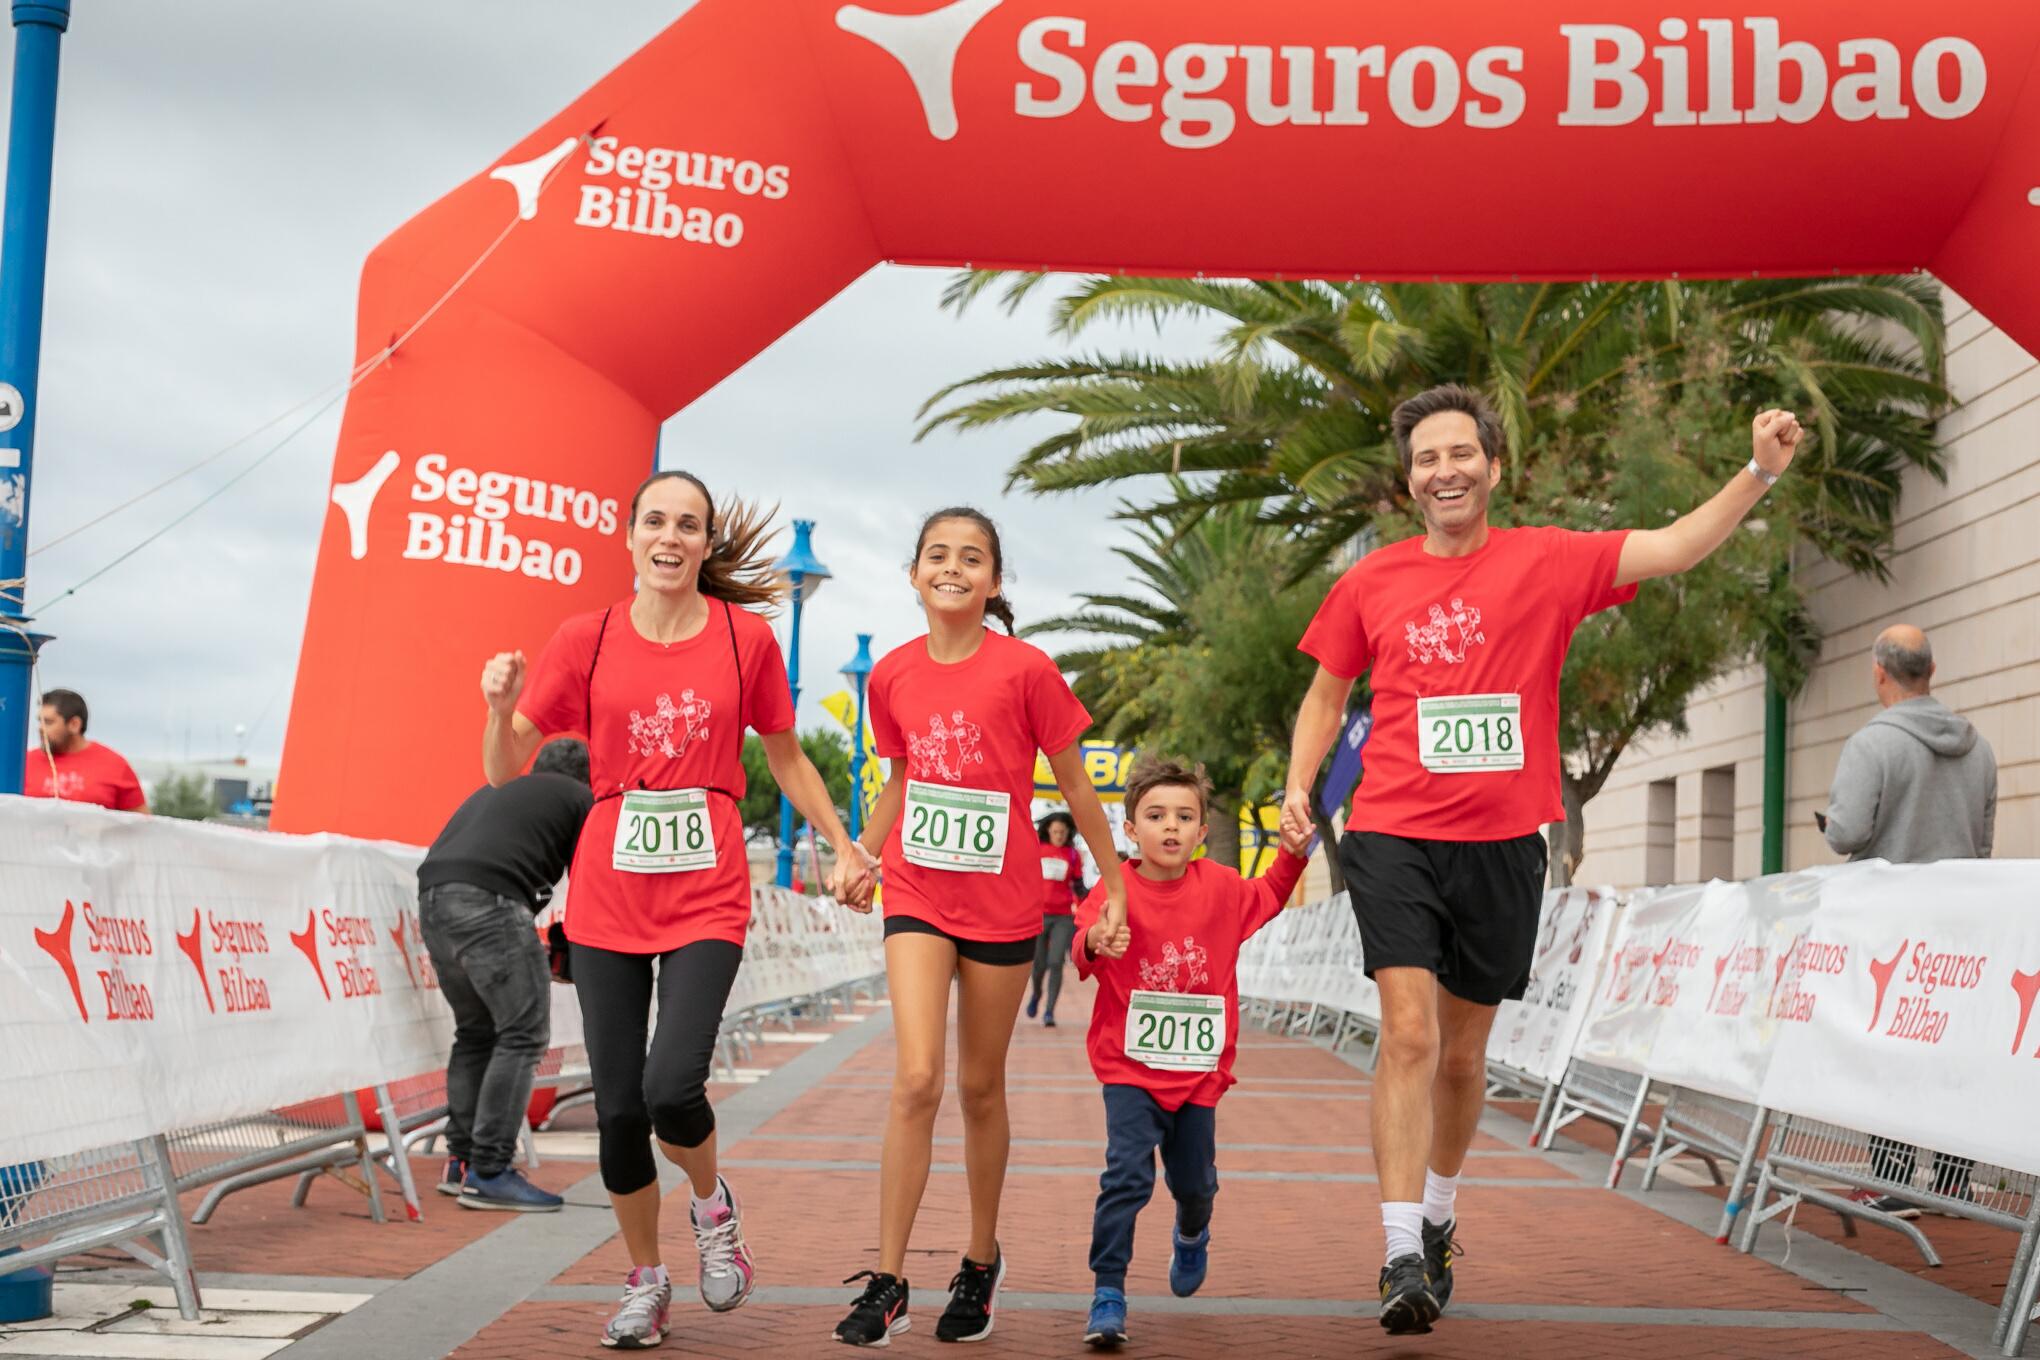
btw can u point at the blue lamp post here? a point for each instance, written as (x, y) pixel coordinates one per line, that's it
(805, 573)
(24, 248)
(857, 670)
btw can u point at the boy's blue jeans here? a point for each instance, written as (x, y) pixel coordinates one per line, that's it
(1135, 1126)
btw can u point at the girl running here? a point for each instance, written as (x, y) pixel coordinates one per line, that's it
(960, 715)
(664, 684)
(1062, 887)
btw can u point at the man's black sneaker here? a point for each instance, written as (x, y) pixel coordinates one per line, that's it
(1439, 1251)
(879, 1313)
(973, 1295)
(1408, 1307)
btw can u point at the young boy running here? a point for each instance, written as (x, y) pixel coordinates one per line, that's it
(1162, 1026)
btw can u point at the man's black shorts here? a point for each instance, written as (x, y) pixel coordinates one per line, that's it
(1463, 910)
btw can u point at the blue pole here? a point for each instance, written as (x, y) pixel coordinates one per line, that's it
(784, 878)
(24, 253)
(857, 739)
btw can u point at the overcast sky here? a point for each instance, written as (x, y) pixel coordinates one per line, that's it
(222, 170)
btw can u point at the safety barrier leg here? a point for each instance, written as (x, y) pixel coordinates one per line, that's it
(364, 1159)
(1756, 1210)
(1625, 1141)
(1657, 1142)
(177, 1262)
(400, 1161)
(1544, 1109)
(1740, 1182)
(2015, 1312)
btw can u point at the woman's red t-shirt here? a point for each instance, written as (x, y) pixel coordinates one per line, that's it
(660, 716)
(1059, 895)
(975, 723)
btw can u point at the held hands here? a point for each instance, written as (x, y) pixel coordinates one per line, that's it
(1294, 841)
(503, 681)
(855, 875)
(1296, 818)
(1774, 438)
(1108, 938)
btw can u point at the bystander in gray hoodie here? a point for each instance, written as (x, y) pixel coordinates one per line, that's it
(1915, 784)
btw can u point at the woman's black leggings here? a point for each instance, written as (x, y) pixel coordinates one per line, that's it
(662, 1088)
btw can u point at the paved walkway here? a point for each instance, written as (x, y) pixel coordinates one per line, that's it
(1554, 1265)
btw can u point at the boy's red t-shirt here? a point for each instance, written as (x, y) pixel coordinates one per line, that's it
(1186, 938)
(977, 724)
(1495, 622)
(96, 774)
(1059, 895)
(660, 716)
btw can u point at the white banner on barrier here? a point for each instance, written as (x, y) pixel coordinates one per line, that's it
(1654, 959)
(1913, 1013)
(1536, 1035)
(156, 975)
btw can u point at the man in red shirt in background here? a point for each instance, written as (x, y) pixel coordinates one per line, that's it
(1464, 631)
(63, 764)
(1164, 1024)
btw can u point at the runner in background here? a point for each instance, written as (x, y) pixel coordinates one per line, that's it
(1464, 631)
(1062, 885)
(1164, 1025)
(664, 684)
(960, 715)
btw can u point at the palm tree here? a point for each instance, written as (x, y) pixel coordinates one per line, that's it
(1291, 415)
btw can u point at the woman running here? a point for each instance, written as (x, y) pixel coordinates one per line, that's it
(664, 684)
(960, 715)
(1062, 887)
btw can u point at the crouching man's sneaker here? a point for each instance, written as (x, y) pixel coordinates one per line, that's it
(451, 1175)
(640, 1320)
(1408, 1307)
(726, 1273)
(506, 1190)
(1106, 1329)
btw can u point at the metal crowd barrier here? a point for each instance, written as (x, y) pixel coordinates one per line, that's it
(1607, 1096)
(124, 1195)
(324, 1137)
(1807, 1160)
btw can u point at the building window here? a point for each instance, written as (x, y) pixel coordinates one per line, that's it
(1717, 823)
(1660, 833)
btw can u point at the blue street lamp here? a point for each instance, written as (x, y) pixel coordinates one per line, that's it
(24, 248)
(857, 670)
(805, 573)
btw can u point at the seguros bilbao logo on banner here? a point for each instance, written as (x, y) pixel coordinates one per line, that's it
(2027, 987)
(109, 939)
(480, 518)
(639, 189)
(1201, 93)
(344, 938)
(1792, 995)
(409, 937)
(1928, 974)
(236, 943)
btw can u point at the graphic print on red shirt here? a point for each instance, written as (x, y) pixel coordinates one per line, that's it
(1062, 868)
(1495, 623)
(1187, 934)
(665, 716)
(97, 774)
(972, 724)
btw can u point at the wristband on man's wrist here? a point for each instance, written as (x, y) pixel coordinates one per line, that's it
(1756, 470)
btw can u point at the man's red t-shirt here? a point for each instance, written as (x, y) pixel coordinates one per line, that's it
(1187, 934)
(664, 716)
(973, 724)
(95, 773)
(1061, 870)
(1495, 622)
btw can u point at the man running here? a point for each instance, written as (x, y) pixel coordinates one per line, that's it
(1465, 631)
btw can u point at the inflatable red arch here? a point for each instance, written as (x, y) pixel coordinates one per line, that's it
(759, 155)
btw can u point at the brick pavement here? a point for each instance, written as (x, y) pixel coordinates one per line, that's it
(1554, 1266)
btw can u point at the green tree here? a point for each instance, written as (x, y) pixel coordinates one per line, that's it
(828, 748)
(188, 795)
(1624, 404)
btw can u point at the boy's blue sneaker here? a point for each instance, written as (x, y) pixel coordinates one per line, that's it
(506, 1190)
(1187, 1265)
(1107, 1328)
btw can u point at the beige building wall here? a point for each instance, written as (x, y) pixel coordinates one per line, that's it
(1965, 566)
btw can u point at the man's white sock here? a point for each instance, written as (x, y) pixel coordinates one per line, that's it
(1440, 1194)
(1403, 1223)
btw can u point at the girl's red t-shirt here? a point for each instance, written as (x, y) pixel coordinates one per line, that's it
(1059, 893)
(974, 724)
(660, 716)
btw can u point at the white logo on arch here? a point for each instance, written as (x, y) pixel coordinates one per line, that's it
(926, 45)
